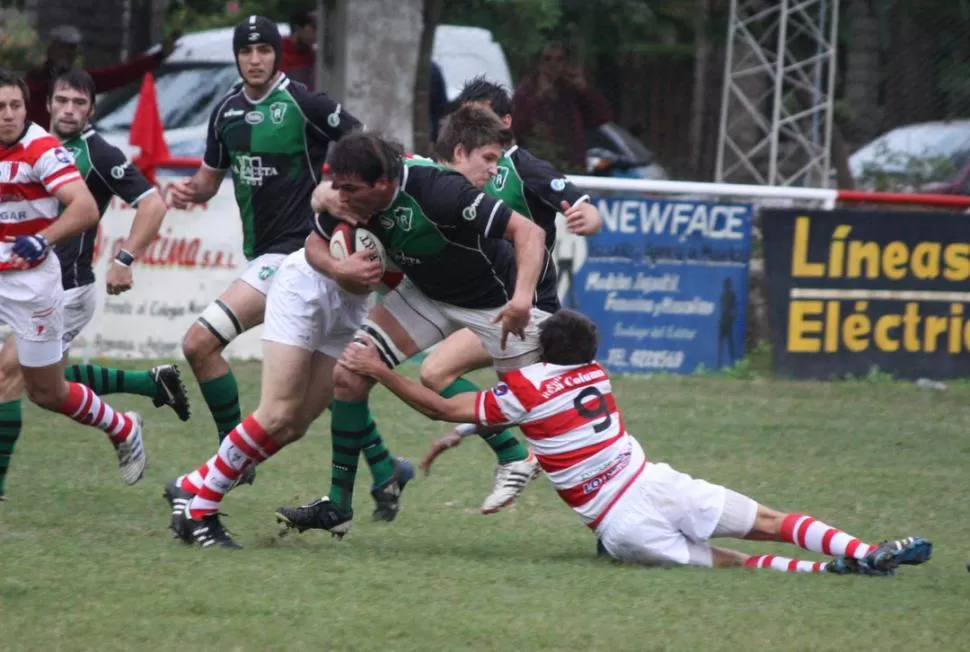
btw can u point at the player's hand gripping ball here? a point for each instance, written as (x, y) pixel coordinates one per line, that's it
(347, 240)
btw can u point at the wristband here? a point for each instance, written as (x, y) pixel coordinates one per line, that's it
(124, 258)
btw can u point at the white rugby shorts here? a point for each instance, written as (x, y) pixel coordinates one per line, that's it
(310, 311)
(664, 518)
(261, 272)
(428, 322)
(32, 304)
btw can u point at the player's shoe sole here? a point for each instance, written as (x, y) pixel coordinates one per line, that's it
(171, 390)
(510, 481)
(321, 514)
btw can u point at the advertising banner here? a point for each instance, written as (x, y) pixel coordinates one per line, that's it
(852, 290)
(666, 281)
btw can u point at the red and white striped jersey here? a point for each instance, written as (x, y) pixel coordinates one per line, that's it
(30, 171)
(570, 418)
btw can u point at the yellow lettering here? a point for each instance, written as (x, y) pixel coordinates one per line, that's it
(956, 260)
(801, 326)
(882, 339)
(926, 260)
(894, 257)
(799, 261)
(855, 329)
(956, 316)
(837, 250)
(911, 321)
(863, 252)
(832, 315)
(934, 326)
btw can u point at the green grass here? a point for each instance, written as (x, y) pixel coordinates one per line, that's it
(87, 564)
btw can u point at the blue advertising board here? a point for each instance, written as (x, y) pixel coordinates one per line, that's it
(665, 281)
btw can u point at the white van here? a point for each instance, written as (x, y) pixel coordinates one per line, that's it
(201, 69)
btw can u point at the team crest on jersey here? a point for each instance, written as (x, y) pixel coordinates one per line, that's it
(118, 171)
(558, 184)
(63, 156)
(334, 118)
(501, 389)
(403, 216)
(265, 272)
(499, 180)
(276, 112)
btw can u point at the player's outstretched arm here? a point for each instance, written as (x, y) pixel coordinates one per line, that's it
(364, 360)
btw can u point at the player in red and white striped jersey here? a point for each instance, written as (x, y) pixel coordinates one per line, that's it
(642, 511)
(37, 177)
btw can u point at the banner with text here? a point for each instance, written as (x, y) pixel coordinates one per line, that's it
(195, 257)
(853, 290)
(665, 281)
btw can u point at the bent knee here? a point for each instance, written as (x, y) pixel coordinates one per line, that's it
(200, 344)
(49, 398)
(436, 374)
(348, 386)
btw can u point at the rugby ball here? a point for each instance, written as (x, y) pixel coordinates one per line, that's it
(347, 240)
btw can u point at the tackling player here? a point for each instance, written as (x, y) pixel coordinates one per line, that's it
(37, 178)
(538, 191)
(274, 134)
(641, 511)
(469, 261)
(106, 172)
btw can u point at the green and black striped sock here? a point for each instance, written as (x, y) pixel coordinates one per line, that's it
(222, 396)
(112, 381)
(10, 425)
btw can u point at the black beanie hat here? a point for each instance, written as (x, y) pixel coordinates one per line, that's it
(257, 29)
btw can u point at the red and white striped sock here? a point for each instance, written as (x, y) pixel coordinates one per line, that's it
(84, 406)
(192, 482)
(805, 532)
(784, 564)
(248, 442)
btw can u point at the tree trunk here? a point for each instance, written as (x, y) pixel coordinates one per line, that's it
(862, 69)
(698, 109)
(430, 14)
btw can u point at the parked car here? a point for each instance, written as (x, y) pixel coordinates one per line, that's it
(201, 69)
(926, 157)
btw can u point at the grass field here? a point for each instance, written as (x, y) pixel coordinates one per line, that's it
(87, 564)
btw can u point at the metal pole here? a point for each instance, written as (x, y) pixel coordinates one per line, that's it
(779, 83)
(830, 117)
(726, 93)
(817, 84)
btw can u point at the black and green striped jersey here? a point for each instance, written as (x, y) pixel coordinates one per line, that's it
(532, 187)
(275, 148)
(107, 172)
(446, 236)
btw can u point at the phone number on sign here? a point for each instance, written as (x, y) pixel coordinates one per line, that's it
(645, 359)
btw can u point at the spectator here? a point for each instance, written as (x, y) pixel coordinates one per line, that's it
(299, 56)
(554, 107)
(61, 55)
(437, 100)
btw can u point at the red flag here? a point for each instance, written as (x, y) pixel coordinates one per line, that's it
(147, 130)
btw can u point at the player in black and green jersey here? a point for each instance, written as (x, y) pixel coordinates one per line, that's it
(537, 190)
(469, 261)
(107, 173)
(273, 134)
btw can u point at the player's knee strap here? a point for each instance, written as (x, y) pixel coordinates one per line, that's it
(390, 354)
(219, 319)
(737, 517)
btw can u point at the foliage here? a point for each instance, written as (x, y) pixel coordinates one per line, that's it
(196, 15)
(20, 48)
(608, 28)
(899, 171)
